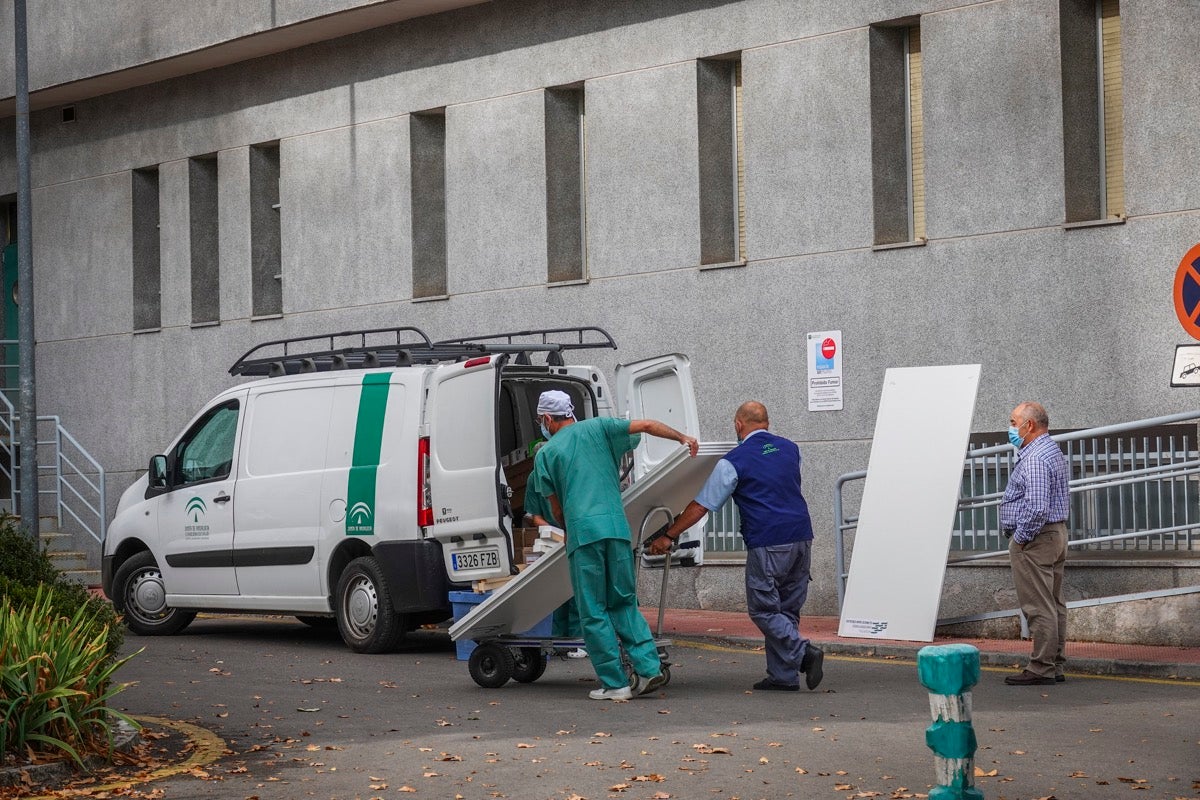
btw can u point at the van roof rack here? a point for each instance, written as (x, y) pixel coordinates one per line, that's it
(389, 348)
(552, 341)
(303, 353)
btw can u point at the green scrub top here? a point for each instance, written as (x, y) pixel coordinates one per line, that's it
(537, 505)
(580, 466)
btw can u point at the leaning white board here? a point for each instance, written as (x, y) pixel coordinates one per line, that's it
(543, 586)
(914, 478)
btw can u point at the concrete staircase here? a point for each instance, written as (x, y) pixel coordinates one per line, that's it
(73, 564)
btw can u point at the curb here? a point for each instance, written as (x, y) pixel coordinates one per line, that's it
(125, 738)
(1083, 666)
(208, 747)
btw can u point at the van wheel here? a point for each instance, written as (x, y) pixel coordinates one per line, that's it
(141, 596)
(365, 617)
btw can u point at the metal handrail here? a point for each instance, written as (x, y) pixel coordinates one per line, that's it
(71, 484)
(1089, 483)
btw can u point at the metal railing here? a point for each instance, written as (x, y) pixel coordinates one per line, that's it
(67, 474)
(721, 532)
(1129, 491)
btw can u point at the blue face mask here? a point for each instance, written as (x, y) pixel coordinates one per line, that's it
(1014, 438)
(545, 431)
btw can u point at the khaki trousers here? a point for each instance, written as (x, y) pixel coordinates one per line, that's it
(1038, 574)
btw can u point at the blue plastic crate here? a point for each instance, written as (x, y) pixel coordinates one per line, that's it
(462, 603)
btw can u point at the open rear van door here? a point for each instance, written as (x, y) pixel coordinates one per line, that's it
(465, 511)
(657, 388)
(661, 388)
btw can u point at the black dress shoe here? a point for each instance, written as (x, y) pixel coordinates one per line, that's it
(811, 665)
(1027, 678)
(770, 685)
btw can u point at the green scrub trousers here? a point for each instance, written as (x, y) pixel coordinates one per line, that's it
(602, 573)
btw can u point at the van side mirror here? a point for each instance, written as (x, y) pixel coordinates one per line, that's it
(157, 475)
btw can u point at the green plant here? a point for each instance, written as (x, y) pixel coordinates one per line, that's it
(55, 680)
(24, 567)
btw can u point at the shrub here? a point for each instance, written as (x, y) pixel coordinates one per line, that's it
(24, 567)
(55, 679)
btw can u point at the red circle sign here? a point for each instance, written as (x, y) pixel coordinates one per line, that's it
(1187, 292)
(828, 348)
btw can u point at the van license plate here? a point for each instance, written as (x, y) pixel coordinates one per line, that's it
(483, 558)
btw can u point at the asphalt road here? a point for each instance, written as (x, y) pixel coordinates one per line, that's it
(304, 717)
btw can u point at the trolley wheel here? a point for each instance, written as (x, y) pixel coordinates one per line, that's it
(491, 665)
(529, 664)
(666, 673)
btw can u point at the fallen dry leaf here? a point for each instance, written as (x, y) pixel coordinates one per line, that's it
(619, 787)
(979, 773)
(652, 777)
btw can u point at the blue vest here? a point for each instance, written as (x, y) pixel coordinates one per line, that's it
(768, 495)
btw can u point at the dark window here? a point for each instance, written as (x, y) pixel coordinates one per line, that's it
(265, 243)
(427, 161)
(205, 242)
(147, 265)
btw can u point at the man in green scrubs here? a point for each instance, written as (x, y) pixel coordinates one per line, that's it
(566, 616)
(577, 471)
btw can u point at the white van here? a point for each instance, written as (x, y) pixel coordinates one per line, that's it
(372, 473)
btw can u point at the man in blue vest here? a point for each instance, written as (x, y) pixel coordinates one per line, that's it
(762, 474)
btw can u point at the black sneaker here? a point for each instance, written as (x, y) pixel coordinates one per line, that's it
(767, 684)
(811, 665)
(1027, 678)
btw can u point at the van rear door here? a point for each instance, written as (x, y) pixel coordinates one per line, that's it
(661, 388)
(465, 487)
(658, 388)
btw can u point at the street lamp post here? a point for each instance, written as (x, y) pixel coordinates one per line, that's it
(28, 508)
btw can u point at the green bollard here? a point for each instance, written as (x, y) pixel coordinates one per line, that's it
(948, 672)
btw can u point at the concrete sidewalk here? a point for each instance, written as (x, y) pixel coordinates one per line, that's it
(1096, 658)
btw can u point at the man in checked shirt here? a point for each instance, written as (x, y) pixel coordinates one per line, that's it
(1033, 515)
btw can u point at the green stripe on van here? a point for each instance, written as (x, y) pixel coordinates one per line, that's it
(368, 439)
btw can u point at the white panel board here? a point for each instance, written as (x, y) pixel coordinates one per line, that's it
(914, 478)
(546, 584)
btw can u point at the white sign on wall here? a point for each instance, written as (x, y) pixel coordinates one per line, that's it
(909, 500)
(825, 371)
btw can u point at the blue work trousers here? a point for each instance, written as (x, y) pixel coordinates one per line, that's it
(776, 588)
(602, 575)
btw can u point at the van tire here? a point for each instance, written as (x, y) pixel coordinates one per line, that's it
(141, 596)
(365, 616)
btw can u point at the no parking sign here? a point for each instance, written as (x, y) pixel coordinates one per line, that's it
(1185, 371)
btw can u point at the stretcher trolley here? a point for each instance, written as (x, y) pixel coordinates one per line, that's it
(502, 652)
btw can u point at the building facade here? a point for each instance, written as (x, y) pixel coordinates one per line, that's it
(1003, 182)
